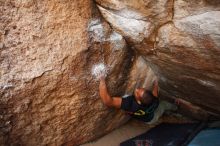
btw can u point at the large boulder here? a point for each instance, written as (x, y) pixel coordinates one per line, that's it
(182, 47)
(48, 48)
(136, 20)
(48, 95)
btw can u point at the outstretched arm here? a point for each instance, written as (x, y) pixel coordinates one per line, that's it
(155, 88)
(106, 98)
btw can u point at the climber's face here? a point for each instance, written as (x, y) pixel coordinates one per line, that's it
(138, 93)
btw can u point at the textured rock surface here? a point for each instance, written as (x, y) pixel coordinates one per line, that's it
(47, 50)
(48, 95)
(183, 49)
(136, 20)
(141, 75)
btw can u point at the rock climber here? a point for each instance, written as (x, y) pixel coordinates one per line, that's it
(143, 104)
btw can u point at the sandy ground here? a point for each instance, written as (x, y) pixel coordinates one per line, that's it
(130, 130)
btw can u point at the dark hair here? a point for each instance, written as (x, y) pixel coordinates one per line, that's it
(147, 97)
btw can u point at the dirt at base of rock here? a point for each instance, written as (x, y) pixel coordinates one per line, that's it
(132, 129)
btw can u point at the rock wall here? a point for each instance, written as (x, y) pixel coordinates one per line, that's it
(179, 40)
(47, 50)
(48, 95)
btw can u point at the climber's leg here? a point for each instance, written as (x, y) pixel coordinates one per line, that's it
(163, 106)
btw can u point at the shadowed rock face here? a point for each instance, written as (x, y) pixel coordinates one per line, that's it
(47, 50)
(180, 44)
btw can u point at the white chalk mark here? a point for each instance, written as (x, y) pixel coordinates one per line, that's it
(117, 41)
(99, 70)
(96, 30)
(6, 86)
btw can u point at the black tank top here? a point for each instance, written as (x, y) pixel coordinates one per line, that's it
(141, 112)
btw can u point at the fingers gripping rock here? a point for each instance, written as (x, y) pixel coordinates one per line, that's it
(99, 70)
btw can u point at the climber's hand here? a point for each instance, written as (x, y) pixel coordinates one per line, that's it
(101, 76)
(155, 88)
(155, 83)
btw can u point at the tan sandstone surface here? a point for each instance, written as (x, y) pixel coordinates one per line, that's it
(48, 95)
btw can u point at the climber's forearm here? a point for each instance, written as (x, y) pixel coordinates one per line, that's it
(185, 104)
(103, 91)
(155, 88)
